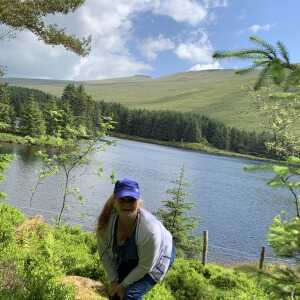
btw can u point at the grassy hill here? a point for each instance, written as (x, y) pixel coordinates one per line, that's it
(215, 93)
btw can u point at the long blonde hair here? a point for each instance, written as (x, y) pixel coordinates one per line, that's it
(105, 214)
(107, 211)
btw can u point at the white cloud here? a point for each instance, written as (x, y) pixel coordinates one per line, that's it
(111, 27)
(181, 10)
(111, 24)
(197, 50)
(151, 47)
(109, 66)
(193, 52)
(201, 67)
(256, 28)
(26, 56)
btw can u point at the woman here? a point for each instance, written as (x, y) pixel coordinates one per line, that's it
(135, 248)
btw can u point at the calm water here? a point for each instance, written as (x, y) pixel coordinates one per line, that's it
(235, 207)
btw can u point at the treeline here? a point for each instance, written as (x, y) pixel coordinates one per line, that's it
(186, 127)
(32, 112)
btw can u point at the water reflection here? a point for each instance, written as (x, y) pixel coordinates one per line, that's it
(26, 153)
(6, 149)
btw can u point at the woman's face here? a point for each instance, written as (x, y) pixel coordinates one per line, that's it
(127, 206)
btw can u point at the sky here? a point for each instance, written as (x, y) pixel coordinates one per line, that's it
(152, 37)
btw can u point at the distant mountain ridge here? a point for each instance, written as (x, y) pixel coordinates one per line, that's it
(133, 78)
(215, 93)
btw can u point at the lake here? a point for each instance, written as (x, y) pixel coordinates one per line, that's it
(236, 207)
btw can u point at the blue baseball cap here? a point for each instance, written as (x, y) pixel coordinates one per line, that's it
(127, 188)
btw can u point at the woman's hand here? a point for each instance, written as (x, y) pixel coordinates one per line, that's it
(118, 289)
(113, 288)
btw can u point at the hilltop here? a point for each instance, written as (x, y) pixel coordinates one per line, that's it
(215, 93)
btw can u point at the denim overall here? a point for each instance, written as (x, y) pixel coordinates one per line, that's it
(127, 260)
(127, 255)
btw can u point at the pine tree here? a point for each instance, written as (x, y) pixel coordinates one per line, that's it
(32, 122)
(67, 120)
(69, 94)
(6, 111)
(5, 160)
(175, 218)
(53, 117)
(30, 15)
(79, 106)
(78, 101)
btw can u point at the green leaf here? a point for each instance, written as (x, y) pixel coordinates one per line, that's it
(275, 182)
(280, 170)
(269, 48)
(2, 195)
(113, 177)
(261, 77)
(293, 160)
(283, 52)
(100, 171)
(295, 171)
(277, 71)
(294, 185)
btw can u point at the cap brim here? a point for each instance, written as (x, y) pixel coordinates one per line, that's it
(125, 193)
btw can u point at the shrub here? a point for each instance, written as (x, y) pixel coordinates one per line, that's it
(11, 279)
(187, 283)
(160, 292)
(284, 236)
(252, 292)
(223, 281)
(181, 263)
(29, 275)
(223, 278)
(41, 279)
(10, 218)
(190, 280)
(35, 256)
(78, 252)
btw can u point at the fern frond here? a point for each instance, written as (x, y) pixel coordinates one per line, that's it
(264, 44)
(252, 68)
(261, 77)
(277, 71)
(243, 54)
(283, 51)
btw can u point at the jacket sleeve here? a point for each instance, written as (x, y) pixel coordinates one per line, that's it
(107, 261)
(148, 255)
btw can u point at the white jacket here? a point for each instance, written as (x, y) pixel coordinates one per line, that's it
(154, 247)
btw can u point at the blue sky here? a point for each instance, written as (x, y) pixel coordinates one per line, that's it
(231, 32)
(153, 37)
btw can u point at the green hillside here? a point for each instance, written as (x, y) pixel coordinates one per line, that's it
(215, 93)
